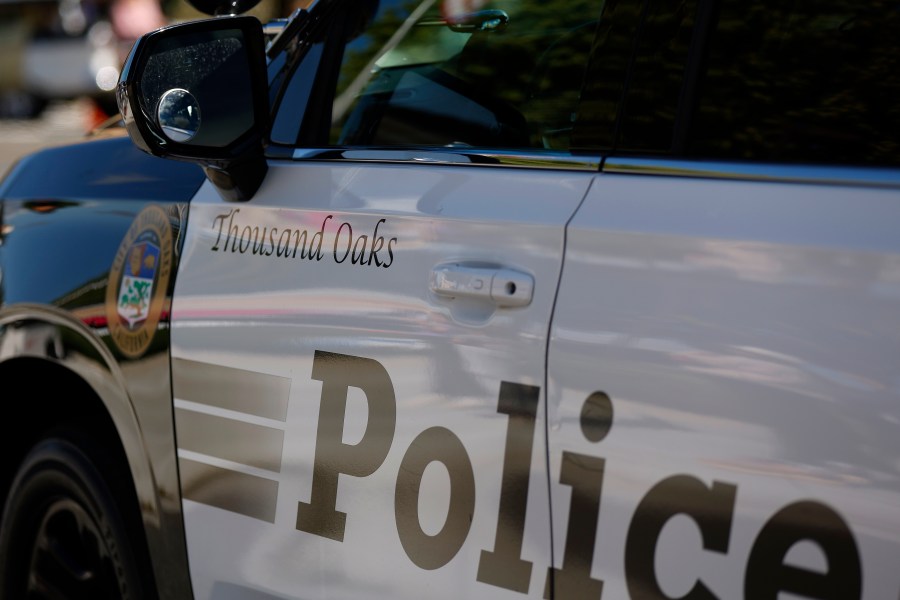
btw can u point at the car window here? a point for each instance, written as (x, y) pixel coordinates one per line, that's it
(769, 81)
(656, 79)
(505, 74)
(802, 81)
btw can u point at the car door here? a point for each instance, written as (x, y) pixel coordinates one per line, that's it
(722, 387)
(358, 352)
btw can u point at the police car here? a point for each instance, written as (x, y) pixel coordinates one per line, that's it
(466, 299)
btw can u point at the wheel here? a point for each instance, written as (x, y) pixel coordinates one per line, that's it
(63, 535)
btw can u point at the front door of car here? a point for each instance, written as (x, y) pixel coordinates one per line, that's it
(359, 350)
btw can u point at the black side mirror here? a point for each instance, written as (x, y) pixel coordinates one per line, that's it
(198, 92)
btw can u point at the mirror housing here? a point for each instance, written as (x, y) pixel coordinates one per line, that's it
(215, 68)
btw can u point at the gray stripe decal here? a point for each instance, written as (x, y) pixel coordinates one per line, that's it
(237, 441)
(229, 490)
(232, 389)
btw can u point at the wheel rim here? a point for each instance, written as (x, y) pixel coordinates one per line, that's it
(70, 558)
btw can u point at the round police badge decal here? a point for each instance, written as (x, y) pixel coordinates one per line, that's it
(138, 281)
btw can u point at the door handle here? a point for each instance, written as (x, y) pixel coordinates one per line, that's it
(499, 286)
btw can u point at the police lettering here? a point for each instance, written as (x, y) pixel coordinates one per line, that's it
(710, 506)
(338, 373)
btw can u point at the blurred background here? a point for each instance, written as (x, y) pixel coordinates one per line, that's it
(60, 61)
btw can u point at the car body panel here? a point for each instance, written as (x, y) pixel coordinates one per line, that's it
(744, 334)
(246, 302)
(67, 213)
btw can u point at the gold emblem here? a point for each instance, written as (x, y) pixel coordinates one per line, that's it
(136, 292)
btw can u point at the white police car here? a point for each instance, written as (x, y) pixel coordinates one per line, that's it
(476, 299)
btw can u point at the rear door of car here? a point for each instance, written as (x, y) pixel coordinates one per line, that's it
(359, 351)
(722, 391)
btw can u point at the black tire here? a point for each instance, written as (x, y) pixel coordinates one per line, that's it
(63, 534)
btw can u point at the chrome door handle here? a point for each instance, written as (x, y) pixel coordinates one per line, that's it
(500, 286)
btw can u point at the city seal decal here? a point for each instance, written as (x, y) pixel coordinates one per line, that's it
(136, 292)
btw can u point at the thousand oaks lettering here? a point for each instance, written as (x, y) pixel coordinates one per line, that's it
(357, 247)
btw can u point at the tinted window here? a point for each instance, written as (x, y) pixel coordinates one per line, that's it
(601, 98)
(655, 88)
(802, 81)
(507, 75)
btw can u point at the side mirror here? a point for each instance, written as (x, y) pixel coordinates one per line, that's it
(198, 92)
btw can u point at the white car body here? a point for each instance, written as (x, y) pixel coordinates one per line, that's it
(743, 357)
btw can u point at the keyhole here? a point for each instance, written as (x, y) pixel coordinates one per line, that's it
(510, 288)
